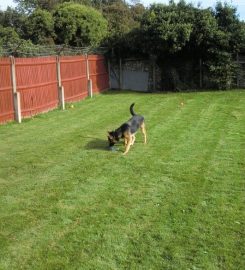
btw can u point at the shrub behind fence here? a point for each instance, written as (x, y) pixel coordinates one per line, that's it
(29, 86)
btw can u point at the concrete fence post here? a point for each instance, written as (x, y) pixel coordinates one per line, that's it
(89, 81)
(120, 74)
(87, 67)
(200, 74)
(61, 94)
(90, 88)
(237, 74)
(154, 76)
(16, 95)
(62, 97)
(109, 72)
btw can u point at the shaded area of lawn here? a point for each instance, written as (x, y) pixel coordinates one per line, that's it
(66, 202)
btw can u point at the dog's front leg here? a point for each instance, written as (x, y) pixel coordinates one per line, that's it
(125, 142)
(129, 142)
(133, 139)
(143, 131)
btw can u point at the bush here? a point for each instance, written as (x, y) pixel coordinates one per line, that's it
(79, 25)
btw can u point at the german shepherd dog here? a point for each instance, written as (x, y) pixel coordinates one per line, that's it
(128, 130)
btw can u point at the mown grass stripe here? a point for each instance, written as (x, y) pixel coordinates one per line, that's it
(175, 203)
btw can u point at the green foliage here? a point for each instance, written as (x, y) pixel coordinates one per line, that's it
(30, 5)
(11, 43)
(8, 36)
(39, 27)
(79, 25)
(204, 30)
(12, 18)
(243, 37)
(184, 31)
(226, 43)
(229, 23)
(222, 69)
(122, 20)
(166, 28)
(137, 11)
(172, 33)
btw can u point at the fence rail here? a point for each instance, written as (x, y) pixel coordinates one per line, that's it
(29, 86)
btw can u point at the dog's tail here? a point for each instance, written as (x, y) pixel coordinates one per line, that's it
(132, 110)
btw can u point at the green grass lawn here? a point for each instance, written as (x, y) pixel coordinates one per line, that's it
(66, 202)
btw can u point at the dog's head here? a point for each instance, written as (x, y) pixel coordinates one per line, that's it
(112, 137)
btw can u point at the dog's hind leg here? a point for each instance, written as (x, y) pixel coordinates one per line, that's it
(142, 127)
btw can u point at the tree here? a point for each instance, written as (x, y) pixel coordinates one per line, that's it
(39, 27)
(228, 41)
(167, 28)
(228, 22)
(8, 36)
(11, 43)
(79, 25)
(123, 23)
(181, 33)
(137, 11)
(27, 6)
(242, 49)
(204, 30)
(12, 18)
(120, 19)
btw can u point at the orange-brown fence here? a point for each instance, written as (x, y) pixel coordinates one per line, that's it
(36, 80)
(29, 86)
(98, 72)
(74, 77)
(6, 94)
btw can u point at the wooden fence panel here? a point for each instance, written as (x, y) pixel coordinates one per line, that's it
(6, 94)
(98, 73)
(36, 80)
(74, 77)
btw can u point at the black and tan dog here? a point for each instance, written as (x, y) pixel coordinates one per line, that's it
(127, 131)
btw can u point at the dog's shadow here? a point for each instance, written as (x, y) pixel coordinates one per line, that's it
(99, 144)
(96, 143)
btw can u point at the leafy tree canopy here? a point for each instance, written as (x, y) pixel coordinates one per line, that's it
(228, 22)
(79, 25)
(10, 42)
(167, 28)
(8, 36)
(12, 18)
(39, 27)
(27, 6)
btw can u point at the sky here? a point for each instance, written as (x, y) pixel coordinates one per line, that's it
(239, 4)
